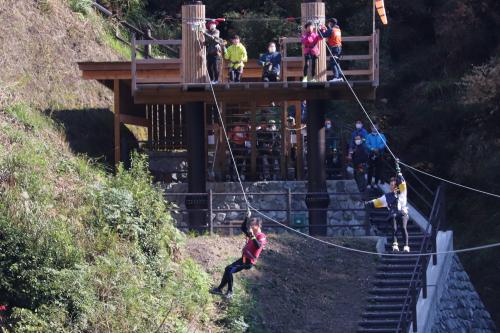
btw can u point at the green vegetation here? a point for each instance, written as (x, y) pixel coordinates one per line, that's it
(85, 251)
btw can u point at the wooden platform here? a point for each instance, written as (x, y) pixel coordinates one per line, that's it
(159, 83)
(252, 91)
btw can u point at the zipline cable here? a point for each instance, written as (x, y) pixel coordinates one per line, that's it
(249, 206)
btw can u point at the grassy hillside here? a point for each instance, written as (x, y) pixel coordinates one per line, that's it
(81, 250)
(85, 251)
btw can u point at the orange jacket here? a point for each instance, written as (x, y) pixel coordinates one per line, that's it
(334, 37)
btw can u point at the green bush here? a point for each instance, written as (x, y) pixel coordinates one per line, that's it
(86, 251)
(81, 6)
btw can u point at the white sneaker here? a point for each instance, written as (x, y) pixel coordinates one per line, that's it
(406, 248)
(304, 79)
(395, 247)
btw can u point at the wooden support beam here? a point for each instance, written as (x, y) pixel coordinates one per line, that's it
(116, 125)
(316, 168)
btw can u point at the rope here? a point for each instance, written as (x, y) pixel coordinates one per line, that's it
(250, 207)
(224, 128)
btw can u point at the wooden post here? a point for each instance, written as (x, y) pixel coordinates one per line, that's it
(284, 146)
(147, 47)
(194, 68)
(315, 12)
(116, 107)
(253, 138)
(317, 199)
(194, 71)
(299, 153)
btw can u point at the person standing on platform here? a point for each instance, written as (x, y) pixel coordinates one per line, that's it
(236, 54)
(375, 141)
(271, 64)
(214, 45)
(334, 43)
(310, 40)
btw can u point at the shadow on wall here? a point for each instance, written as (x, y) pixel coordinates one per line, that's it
(90, 132)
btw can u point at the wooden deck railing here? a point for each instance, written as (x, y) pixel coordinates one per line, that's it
(290, 68)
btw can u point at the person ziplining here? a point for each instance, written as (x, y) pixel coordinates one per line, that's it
(396, 202)
(255, 242)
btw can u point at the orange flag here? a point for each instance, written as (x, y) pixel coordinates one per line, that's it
(379, 4)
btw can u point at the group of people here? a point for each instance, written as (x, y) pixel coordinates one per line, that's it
(366, 153)
(237, 57)
(268, 142)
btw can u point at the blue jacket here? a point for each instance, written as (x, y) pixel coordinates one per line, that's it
(273, 58)
(374, 141)
(361, 132)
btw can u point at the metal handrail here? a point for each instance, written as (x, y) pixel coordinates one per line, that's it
(436, 211)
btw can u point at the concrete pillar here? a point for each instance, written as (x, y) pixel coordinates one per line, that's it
(316, 167)
(314, 11)
(194, 71)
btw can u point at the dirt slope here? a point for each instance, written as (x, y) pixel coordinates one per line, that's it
(298, 285)
(41, 43)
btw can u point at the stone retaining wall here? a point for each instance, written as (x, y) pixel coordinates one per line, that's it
(341, 206)
(460, 310)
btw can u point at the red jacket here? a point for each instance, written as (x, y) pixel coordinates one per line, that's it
(251, 251)
(310, 43)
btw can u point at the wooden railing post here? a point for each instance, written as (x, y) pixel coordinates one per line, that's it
(210, 211)
(289, 206)
(147, 47)
(134, 68)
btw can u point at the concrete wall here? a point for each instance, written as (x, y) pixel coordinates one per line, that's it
(349, 199)
(452, 303)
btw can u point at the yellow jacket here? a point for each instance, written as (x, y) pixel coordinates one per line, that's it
(237, 55)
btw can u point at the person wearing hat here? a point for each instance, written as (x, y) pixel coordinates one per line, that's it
(214, 44)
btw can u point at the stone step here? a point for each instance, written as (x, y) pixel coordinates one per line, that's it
(387, 299)
(381, 314)
(395, 268)
(393, 275)
(389, 290)
(392, 283)
(377, 330)
(389, 307)
(399, 260)
(382, 323)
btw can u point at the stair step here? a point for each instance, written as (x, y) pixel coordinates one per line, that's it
(389, 290)
(387, 299)
(393, 275)
(381, 314)
(396, 268)
(382, 323)
(384, 307)
(403, 260)
(376, 330)
(392, 283)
